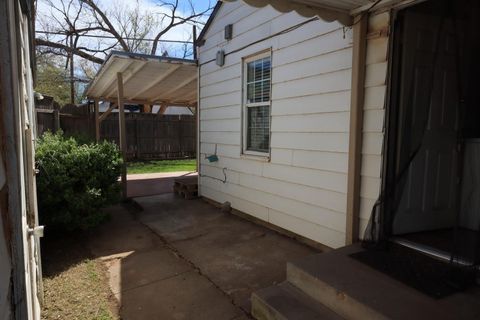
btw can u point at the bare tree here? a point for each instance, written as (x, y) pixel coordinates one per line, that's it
(73, 23)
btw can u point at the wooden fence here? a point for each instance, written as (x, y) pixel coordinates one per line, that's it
(149, 136)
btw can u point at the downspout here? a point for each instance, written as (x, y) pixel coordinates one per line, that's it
(360, 27)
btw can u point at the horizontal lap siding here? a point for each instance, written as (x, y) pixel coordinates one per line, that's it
(373, 118)
(302, 188)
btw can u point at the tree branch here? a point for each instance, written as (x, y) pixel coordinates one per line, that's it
(111, 28)
(75, 51)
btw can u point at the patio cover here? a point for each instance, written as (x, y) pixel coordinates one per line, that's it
(141, 79)
(328, 10)
(147, 79)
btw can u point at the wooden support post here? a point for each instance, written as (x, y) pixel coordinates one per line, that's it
(97, 120)
(56, 118)
(356, 124)
(122, 133)
(147, 108)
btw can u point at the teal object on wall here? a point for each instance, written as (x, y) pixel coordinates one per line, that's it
(212, 158)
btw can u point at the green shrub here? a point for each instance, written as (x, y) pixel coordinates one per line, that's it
(75, 181)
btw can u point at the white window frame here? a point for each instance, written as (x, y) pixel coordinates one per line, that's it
(245, 105)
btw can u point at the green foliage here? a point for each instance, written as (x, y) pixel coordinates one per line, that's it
(155, 166)
(75, 181)
(52, 80)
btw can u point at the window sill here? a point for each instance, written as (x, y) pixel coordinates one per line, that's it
(256, 157)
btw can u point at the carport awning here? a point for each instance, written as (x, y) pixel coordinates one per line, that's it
(146, 80)
(328, 10)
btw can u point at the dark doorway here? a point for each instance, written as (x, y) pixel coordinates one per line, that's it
(432, 168)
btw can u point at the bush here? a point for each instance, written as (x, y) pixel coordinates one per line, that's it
(75, 181)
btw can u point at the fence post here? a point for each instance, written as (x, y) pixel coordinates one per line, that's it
(56, 119)
(137, 154)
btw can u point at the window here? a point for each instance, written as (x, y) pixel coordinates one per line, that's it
(257, 96)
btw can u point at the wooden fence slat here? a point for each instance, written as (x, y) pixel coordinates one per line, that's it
(149, 136)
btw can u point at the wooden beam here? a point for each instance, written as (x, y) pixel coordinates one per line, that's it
(179, 103)
(162, 77)
(122, 133)
(97, 120)
(356, 125)
(111, 80)
(147, 108)
(162, 109)
(177, 87)
(106, 113)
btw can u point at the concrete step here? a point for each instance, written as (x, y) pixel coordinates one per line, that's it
(285, 302)
(355, 291)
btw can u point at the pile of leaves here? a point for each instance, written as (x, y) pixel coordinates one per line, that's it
(75, 181)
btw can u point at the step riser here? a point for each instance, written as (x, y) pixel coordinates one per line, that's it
(337, 301)
(262, 311)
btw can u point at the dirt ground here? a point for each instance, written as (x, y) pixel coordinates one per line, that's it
(75, 282)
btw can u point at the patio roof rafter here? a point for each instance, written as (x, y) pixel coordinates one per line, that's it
(128, 75)
(171, 70)
(179, 86)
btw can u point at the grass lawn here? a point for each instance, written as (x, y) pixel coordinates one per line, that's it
(156, 166)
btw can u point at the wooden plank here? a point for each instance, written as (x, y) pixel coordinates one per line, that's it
(122, 133)
(356, 121)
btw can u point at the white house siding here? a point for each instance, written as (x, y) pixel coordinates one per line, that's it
(302, 188)
(374, 112)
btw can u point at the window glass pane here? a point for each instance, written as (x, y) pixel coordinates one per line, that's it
(266, 91)
(258, 80)
(258, 70)
(258, 128)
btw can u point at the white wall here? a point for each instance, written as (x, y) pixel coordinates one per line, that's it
(302, 188)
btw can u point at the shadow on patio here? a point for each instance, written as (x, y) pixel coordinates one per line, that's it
(186, 259)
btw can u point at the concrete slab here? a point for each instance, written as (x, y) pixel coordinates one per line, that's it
(121, 235)
(151, 280)
(142, 268)
(140, 185)
(186, 296)
(237, 255)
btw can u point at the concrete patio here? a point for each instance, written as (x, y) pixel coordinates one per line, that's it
(186, 259)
